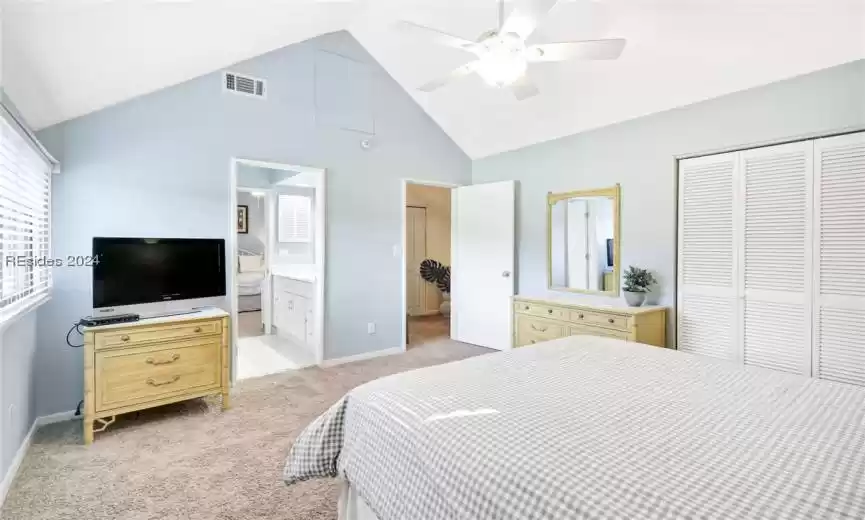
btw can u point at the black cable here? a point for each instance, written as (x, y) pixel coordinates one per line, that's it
(78, 408)
(76, 327)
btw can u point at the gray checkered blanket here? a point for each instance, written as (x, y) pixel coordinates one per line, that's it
(587, 427)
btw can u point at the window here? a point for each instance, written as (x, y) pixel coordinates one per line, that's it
(25, 184)
(295, 223)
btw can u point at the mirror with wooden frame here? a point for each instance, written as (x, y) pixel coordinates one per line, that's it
(583, 241)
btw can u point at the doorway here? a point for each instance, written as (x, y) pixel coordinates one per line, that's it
(426, 262)
(278, 237)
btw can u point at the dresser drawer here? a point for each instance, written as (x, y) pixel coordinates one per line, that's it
(134, 375)
(145, 335)
(531, 330)
(610, 321)
(598, 331)
(537, 309)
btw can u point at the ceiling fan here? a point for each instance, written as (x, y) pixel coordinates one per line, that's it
(502, 53)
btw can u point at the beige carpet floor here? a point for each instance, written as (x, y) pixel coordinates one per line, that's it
(191, 461)
(422, 329)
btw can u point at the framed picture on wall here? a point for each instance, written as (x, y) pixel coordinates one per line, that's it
(242, 219)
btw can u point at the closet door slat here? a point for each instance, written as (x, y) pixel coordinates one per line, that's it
(707, 256)
(839, 313)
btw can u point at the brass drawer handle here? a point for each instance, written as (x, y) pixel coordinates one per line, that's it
(539, 330)
(550, 311)
(197, 329)
(151, 382)
(124, 337)
(611, 320)
(151, 361)
(526, 308)
(580, 316)
(533, 341)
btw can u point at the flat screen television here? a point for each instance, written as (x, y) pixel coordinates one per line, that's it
(131, 271)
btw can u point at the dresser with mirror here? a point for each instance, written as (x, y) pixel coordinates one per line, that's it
(583, 244)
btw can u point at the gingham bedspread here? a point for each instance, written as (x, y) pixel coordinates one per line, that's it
(587, 427)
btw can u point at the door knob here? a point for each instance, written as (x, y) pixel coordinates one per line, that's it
(506, 274)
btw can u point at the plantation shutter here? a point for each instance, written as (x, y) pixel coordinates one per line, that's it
(776, 256)
(707, 273)
(295, 219)
(25, 184)
(839, 307)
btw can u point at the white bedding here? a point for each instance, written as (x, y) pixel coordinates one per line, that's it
(249, 283)
(351, 506)
(588, 428)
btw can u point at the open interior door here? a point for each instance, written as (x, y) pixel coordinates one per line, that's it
(482, 271)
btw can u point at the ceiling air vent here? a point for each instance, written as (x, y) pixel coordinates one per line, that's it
(246, 85)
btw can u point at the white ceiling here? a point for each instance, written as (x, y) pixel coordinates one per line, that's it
(65, 58)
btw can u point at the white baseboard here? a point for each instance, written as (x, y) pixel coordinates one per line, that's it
(424, 314)
(12, 472)
(360, 357)
(9, 477)
(56, 418)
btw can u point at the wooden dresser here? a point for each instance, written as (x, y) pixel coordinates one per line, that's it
(537, 320)
(132, 366)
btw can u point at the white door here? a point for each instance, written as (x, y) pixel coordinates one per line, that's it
(775, 256)
(482, 274)
(416, 243)
(708, 250)
(839, 259)
(267, 293)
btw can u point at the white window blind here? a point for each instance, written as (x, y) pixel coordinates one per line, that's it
(25, 187)
(294, 219)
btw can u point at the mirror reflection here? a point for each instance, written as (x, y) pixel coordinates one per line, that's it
(583, 243)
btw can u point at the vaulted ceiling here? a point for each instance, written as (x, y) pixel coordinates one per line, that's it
(66, 58)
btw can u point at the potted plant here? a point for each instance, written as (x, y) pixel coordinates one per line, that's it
(438, 274)
(637, 284)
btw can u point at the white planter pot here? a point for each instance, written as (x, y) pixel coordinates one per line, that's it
(445, 307)
(635, 299)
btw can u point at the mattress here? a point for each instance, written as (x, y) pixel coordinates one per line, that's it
(587, 427)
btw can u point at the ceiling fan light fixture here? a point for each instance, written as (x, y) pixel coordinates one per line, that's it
(502, 60)
(501, 73)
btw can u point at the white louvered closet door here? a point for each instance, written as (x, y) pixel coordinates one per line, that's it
(707, 273)
(839, 307)
(775, 256)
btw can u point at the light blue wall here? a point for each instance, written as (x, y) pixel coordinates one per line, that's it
(638, 154)
(158, 165)
(17, 372)
(17, 385)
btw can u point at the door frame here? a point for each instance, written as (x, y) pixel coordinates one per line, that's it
(319, 250)
(404, 182)
(266, 313)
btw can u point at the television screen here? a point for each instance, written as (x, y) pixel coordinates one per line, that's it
(132, 271)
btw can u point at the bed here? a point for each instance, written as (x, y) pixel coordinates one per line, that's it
(588, 427)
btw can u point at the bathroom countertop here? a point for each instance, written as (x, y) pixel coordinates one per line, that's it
(300, 272)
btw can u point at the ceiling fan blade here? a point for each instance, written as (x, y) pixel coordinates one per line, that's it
(526, 16)
(457, 73)
(584, 50)
(435, 36)
(524, 88)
